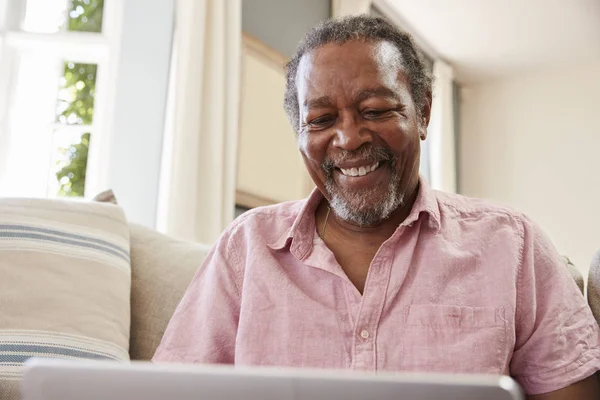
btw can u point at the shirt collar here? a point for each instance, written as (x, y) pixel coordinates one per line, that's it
(300, 235)
(427, 203)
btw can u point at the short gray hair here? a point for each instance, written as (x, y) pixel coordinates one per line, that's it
(365, 28)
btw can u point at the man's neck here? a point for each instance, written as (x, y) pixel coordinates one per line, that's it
(340, 230)
(354, 247)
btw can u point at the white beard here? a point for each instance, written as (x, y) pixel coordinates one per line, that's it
(358, 207)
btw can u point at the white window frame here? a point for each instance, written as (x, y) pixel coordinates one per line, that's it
(97, 48)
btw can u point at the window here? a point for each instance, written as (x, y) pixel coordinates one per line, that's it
(56, 60)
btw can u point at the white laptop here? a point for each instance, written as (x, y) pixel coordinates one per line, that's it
(59, 380)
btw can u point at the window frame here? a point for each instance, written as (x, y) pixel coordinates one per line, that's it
(100, 48)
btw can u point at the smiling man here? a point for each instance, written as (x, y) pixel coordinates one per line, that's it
(375, 271)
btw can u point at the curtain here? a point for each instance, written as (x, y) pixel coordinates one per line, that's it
(197, 184)
(441, 135)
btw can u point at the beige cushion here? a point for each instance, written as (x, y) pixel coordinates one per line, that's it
(64, 283)
(575, 274)
(106, 197)
(593, 288)
(162, 269)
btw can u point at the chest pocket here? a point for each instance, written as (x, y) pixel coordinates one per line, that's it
(445, 338)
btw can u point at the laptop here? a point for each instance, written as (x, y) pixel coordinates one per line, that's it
(63, 380)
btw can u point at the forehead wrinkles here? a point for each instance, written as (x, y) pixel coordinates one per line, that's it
(386, 63)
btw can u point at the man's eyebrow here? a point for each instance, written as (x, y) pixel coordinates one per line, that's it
(321, 102)
(326, 102)
(376, 92)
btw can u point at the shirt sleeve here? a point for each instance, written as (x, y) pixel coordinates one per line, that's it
(557, 337)
(204, 326)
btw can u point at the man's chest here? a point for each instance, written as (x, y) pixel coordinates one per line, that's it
(416, 314)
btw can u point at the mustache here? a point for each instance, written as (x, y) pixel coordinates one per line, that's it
(369, 153)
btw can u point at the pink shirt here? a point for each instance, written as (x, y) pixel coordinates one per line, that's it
(462, 286)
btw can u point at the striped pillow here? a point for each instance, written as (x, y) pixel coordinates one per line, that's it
(65, 282)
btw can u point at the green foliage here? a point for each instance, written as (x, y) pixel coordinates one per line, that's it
(76, 100)
(71, 177)
(77, 93)
(85, 15)
(75, 107)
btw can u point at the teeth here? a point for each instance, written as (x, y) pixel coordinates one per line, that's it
(361, 171)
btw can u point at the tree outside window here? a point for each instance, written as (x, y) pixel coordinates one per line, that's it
(75, 104)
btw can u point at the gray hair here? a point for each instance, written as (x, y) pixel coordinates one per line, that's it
(365, 28)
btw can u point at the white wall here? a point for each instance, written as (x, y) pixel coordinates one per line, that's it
(533, 142)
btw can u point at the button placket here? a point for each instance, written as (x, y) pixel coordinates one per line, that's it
(364, 344)
(364, 350)
(367, 321)
(365, 328)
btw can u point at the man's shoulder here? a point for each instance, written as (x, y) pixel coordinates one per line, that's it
(457, 206)
(270, 221)
(280, 210)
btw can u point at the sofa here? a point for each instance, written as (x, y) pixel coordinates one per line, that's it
(77, 281)
(161, 268)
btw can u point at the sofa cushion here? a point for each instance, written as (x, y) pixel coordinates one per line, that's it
(64, 284)
(575, 274)
(162, 269)
(593, 288)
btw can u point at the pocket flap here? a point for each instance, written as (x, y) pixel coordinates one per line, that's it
(453, 316)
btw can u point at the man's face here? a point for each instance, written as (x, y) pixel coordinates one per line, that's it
(359, 130)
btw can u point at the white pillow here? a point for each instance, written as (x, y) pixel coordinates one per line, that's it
(65, 282)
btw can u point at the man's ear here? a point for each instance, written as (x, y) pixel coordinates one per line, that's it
(425, 116)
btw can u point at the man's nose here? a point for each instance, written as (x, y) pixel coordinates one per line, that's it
(349, 132)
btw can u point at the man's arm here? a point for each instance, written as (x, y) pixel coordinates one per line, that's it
(204, 326)
(586, 389)
(557, 338)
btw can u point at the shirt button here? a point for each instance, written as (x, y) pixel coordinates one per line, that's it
(364, 334)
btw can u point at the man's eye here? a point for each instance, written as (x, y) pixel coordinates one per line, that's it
(378, 113)
(321, 121)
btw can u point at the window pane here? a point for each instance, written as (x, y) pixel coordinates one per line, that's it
(69, 162)
(50, 125)
(31, 123)
(44, 16)
(85, 15)
(76, 93)
(75, 112)
(51, 16)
